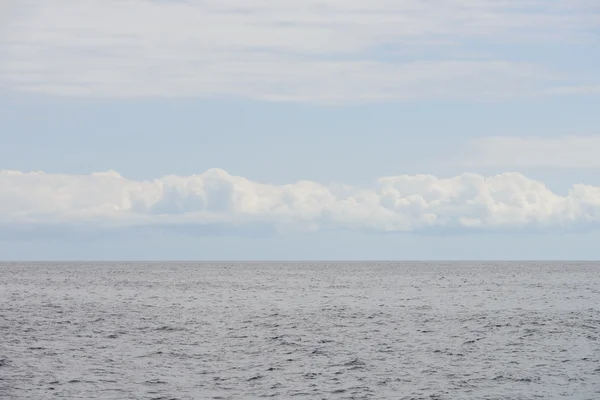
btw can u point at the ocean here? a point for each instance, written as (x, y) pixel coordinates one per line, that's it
(306, 330)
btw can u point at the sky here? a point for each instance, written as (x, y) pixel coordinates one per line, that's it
(299, 130)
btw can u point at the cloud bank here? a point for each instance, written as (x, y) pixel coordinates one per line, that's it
(321, 51)
(41, 201)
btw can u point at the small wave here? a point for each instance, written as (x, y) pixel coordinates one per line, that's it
(169, 328)
(155, 382)
(355, 362)
(311, 375)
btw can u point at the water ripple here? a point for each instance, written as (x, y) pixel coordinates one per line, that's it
(307, 330)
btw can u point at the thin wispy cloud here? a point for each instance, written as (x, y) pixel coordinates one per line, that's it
(575, 90)
(322, 51)
(518, 152)
(420, 203)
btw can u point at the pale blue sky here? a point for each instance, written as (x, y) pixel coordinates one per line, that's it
(79, 96)
(278, 142)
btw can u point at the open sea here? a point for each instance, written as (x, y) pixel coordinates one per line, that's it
(361, 330)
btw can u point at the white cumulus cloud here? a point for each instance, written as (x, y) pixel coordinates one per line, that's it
(418, 203)
(324, 51)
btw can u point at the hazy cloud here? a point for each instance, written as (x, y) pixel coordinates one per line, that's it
(506, 151)
(576, 90)
(323, 51)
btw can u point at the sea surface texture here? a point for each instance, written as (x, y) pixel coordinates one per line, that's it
(300, 330)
